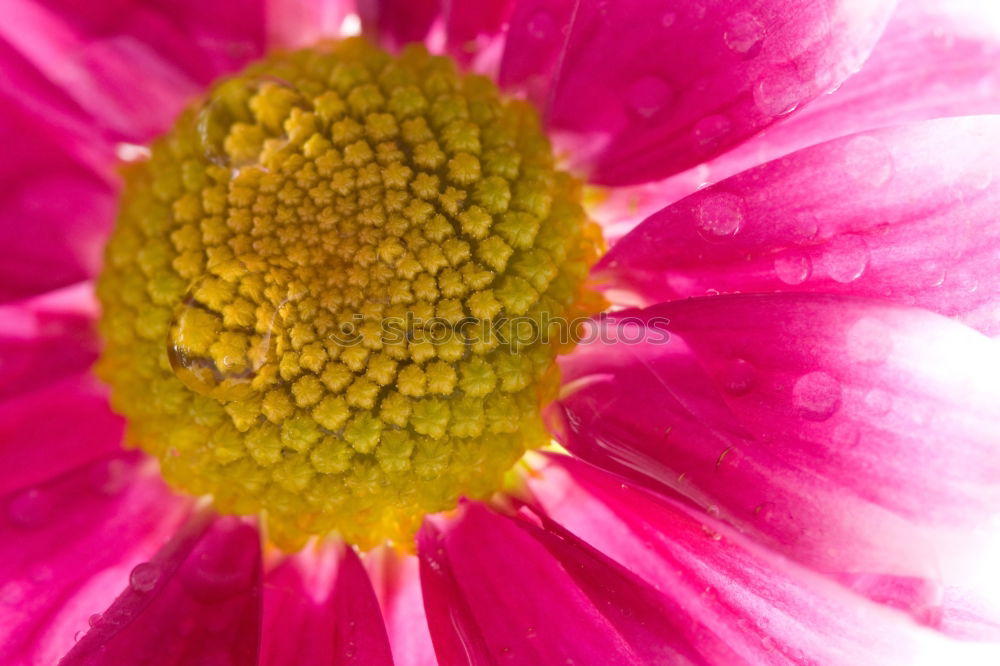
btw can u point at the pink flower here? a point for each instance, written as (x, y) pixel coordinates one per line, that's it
(806, 472)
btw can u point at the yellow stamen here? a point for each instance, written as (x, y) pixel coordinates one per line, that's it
(289, 289)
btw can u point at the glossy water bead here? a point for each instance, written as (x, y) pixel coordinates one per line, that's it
(308, 294)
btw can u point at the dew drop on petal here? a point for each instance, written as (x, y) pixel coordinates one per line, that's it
(144, 577)
(648, 96)
(739, 377)
(720, 216)
(878, 402)
(846, 258)
(30, 508)
(778, 93)
(711, 130)
(816, 396)
(744, 33)
(792, 266)
(541, 26)
(869, 341)
(845, 436)
(868, 161)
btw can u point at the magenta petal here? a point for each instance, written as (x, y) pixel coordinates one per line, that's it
(907, 213)
(131, 66)
(67, 546)
(325, 600)
(536, 40)
(196, 602)
(652, 90)
(36, 447)
(851, 435)
(732, 601)
(55, 210)
(46, 338)
(935, 59)
(396, 22)
(300, 23)
(499, 590)
(396, 579)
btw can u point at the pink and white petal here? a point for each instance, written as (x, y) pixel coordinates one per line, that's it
(501, 590)
(301, 23)
(67, 545)
(727, 593)
(855, 436)
(397, 22)
(46, 338)
(935, 59)
(905, 213)
(396, 580)
(645, 91)
(197, 601)
(131, 66)
(50, 430)
(310, 593)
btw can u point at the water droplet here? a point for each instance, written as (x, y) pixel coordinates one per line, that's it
(720, 216)
(648, 96)
(30, 508)
(792, 266)
(109, 477)
(779, 93)
(816, 396)
(767, 643)
(935, 274)
(739, 377)
(712, 510)
(868, 161)
(744, 33)
(845, 436)
(878, 402)
(144, 576)
(765, 511)
(541, 26)
(215, 354)
(78, 635)
(846, 258)
(806, 226)
(711, 130)
(231, 102)
(869, 341)
(94, 619)
(668, 19)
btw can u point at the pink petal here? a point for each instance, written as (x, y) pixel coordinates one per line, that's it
(907, 213)
(46, 338)
(473, 30)
(498, 590)
(935, 59)
(536, 40)
(396, 579)
(651, 90)
(129, 66)
(324, 599)
(301, 23)
(196, 602)
(854, 436)
(731, 600)
(54, 428)
(54, 209)
(66, 547)
(396, 22)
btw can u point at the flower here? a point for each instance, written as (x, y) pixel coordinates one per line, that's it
(794, 462)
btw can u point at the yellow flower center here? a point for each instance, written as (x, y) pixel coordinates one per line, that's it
(329, 289)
